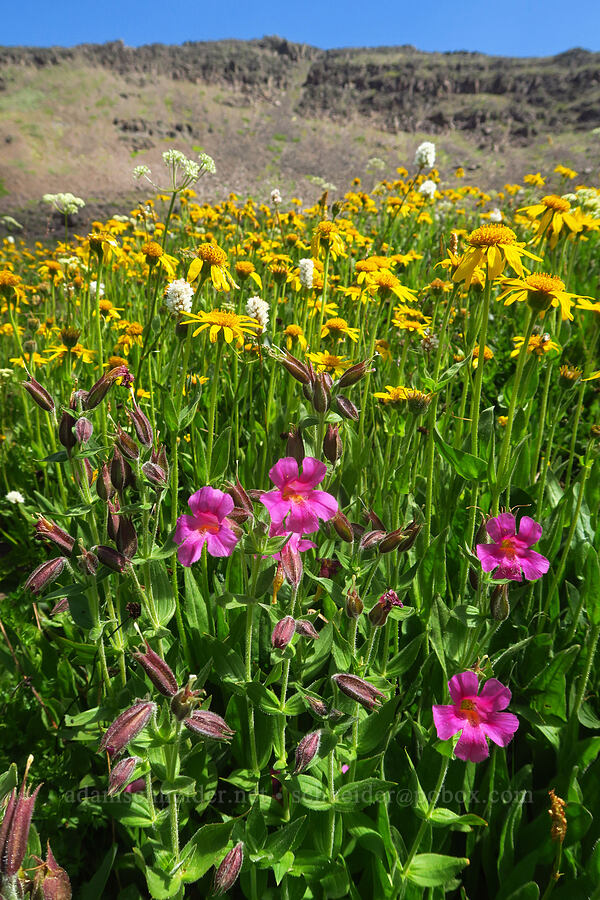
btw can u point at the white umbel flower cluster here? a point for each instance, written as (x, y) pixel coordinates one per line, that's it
(307, 268)
(275, 197)
(184, 171)
(95, 289)
(178, 296)
(428, 188)
(67, 204)
(496, 215)
(258, 309)
(425, 155)
(15, 497)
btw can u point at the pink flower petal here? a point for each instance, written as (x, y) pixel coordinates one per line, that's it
(446, 721)
(509, 569)
(501, 526)
(313, 472)
(185, 526)
(529, 531)
(301, 519)
(209, 499)
(277, 507)
(490, 556)
(472, 744)
(222, 543)
(500, 727)
(191, 549)
(534, 564)
(324, 505)
(463, 686)
(283, 471)
(493, 696)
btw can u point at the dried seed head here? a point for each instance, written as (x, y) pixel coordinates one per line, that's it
(558, 817)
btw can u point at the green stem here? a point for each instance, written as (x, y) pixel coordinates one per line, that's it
(212, 410)
(425, 822)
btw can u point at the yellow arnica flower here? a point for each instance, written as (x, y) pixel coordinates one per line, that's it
(384, 284)
(540, 344)
(245, 269)
(503, 420)
(339, 328)
(565, 172)
(87, 356)
(215, 259)
(327, 233)
(231, 324)
(328, 362)
(487, 354)
(383, 348)
(294, 333)
(155, 254)
(535, 180)
(494, 246)
(588, 304)
(540, 291)
(393, 396)
(555, 214)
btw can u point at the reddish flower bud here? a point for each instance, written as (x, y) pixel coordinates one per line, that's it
(126, 727)
(155, 475)
(47, 530)
(343, 527)
(121, 473)
(142, 426)
(136, 787)
(127, 542)
(126, 444)
(402, 539)
(298, 370)
(355, 373)
(121, 773)
(328, 568)
(306, 629)
(112, 559)
(358, 689)
(104, 486)
(375, 521)
(209, 724)
(159, 458)
(59, 607)
(65, 431)
(332, 444)
(51, 882)
(39, 394)
(98, 391)
(113, 520)
(45, 574)
(371, 539)
(291, 563)
(346, 408)
(318, 706)
(354, 605)
(378, 615)
(283, 633)
(321, 393)
(306, 751)
(295, 444)
(227, 873)
(158, 671)
(83, 430)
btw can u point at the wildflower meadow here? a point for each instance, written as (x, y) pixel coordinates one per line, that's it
(299, 543)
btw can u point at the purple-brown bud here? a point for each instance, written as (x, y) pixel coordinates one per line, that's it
(39, 394)
(51, 881)
(240, 497)
(306, 629)
(59, 607)
(332, 444)
(378, 615)
(45, 574)
(295, 444)
(371, 539)
(83, 430)
(98, 391)
(112, 559)
(142, 426)
(358, 689)
(318, 706)
(121, 473)
(355, 373)
(346, 408)
(342, 527)
(401, 540)
(65, 431)
(14, 831)
(158, 671)
(328, 568)
(354, 605)
(113, 519)
(159, 458)
(88, 562)
(321, 393)
(127, 542)
(209, 724)
(291, 563)
(227, 873)
(126, 727)
(104, 486)
(298, 370)
(126, 444)
(121, 773)
(306, 751)
(283, 633)
(47, 530)
(155, 475)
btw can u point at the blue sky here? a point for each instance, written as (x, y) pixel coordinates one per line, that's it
(503, 27)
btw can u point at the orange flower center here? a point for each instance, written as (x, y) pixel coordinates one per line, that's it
(545, 284)
(212, 254)
(291, 493)
(469, 711)
(558, 204)
(491, 236)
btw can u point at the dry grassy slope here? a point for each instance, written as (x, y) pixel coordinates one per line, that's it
(271, 113)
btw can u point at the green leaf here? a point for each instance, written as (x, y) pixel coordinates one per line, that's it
(529, 891)
(197, 615)
(220, 457)
(433, 869)
(162, 591)
(441, 816)
(8, 781)
(591, 577)
(285, 839)
(359, 794)
(204, 849)
(373, 731)
(420, 802)
(264, 698)
(309, 792)
(403, 660)
(470, 467)
(94, 889)
(161, 884)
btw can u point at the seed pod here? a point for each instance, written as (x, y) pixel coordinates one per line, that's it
(121, 773)
(283, 633)
(209, 724)
(227, 873)
(342, 527)
(158, 671)
(113, 520)
(142, 426)
(297, 369)
(346, 408)
(47, 530)
(332, 444)
(112, 559)
(65, 432)
(355, 373)
(371, 539)
(402, 539)
(306, 751)
(155, 475)
(295, 445)
(358, 689)
(39, 395)
(306, 629)
(98, 391)
(104, 486)
(126, 727)
(127, 542)
(127, 445)
(45, 574)
(321, 394)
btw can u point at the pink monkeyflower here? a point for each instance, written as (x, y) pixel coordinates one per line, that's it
(296, 501)
(510, 552)
(296, 543)
(208, 525)
(477, 717)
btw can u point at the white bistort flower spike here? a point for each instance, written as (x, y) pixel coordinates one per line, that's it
(258, 309)
(178, 296)
(307, 268)
(425, 155)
